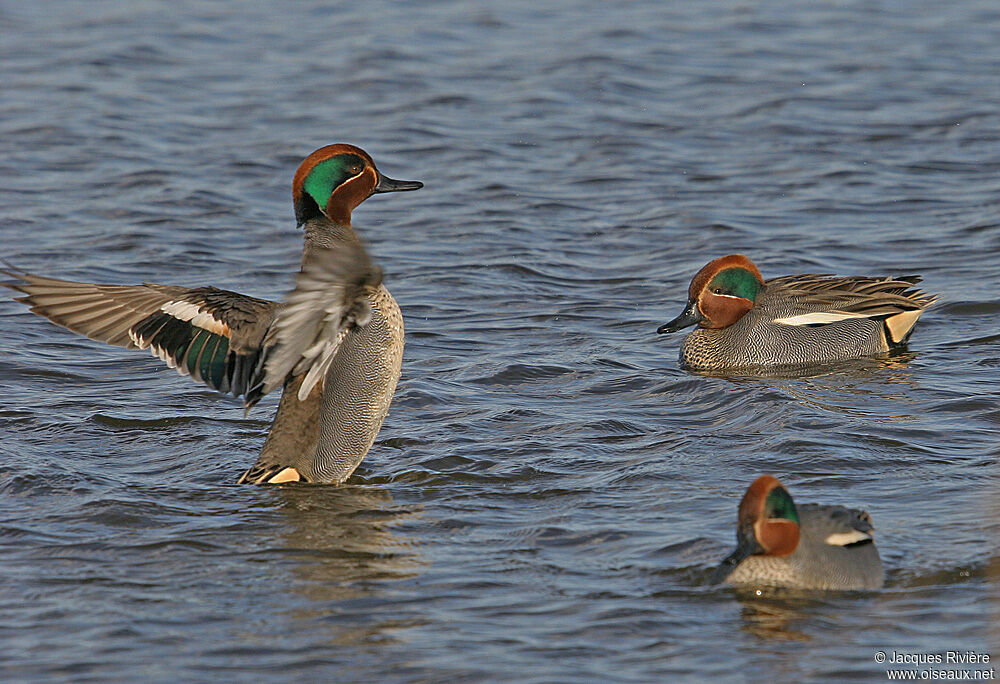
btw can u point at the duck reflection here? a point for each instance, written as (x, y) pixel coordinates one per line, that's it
(883, 383)
(774, 617)
(344, 548)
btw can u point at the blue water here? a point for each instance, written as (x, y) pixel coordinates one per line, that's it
(550, 491)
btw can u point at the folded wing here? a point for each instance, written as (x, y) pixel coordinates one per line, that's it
(838, 525)
(822, 299)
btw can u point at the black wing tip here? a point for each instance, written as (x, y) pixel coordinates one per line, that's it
(252, 396)
(920, 298)
(255, 377)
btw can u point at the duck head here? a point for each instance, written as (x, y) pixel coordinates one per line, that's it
(721, 293)
(768, 522)
(335, 179)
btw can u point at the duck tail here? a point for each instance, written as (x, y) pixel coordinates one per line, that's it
(270, 474)
(899, 327)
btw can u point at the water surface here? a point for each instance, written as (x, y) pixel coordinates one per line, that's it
(550, 491)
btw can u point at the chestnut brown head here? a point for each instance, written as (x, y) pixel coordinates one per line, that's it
(335, 179)
(721, 293)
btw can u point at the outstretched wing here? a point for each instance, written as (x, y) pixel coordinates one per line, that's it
(213, 335)
(330, 298)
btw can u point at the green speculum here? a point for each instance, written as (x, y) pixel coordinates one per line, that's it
(736, 282)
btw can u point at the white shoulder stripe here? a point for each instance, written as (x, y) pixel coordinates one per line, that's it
(181, 310)
(845, 538)
(193, 314)
(818, 318)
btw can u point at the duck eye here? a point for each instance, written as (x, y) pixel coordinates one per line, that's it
(356, 169)
(717, 290)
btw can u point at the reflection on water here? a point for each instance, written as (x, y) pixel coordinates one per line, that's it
(339, 548)
(858, 388)
(343, 541)
(772, 618)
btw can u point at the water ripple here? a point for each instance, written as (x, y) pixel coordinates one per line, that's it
(550, 492)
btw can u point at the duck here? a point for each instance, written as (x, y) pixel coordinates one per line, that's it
(334, 345)
(746, 322)
(809, 546)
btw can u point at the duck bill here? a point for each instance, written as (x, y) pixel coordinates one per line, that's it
(386, 184)
(727, 566)
(690, 316)
(746, 546)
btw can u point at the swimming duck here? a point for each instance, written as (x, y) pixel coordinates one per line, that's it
(335, 344)
(808, 546)
(745, 322)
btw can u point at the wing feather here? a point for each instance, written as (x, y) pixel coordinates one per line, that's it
(210, 334)
(330, 298)
(821, 299)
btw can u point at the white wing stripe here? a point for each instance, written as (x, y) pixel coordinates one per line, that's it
(193, 314)
(845, 538)
(818, 318)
